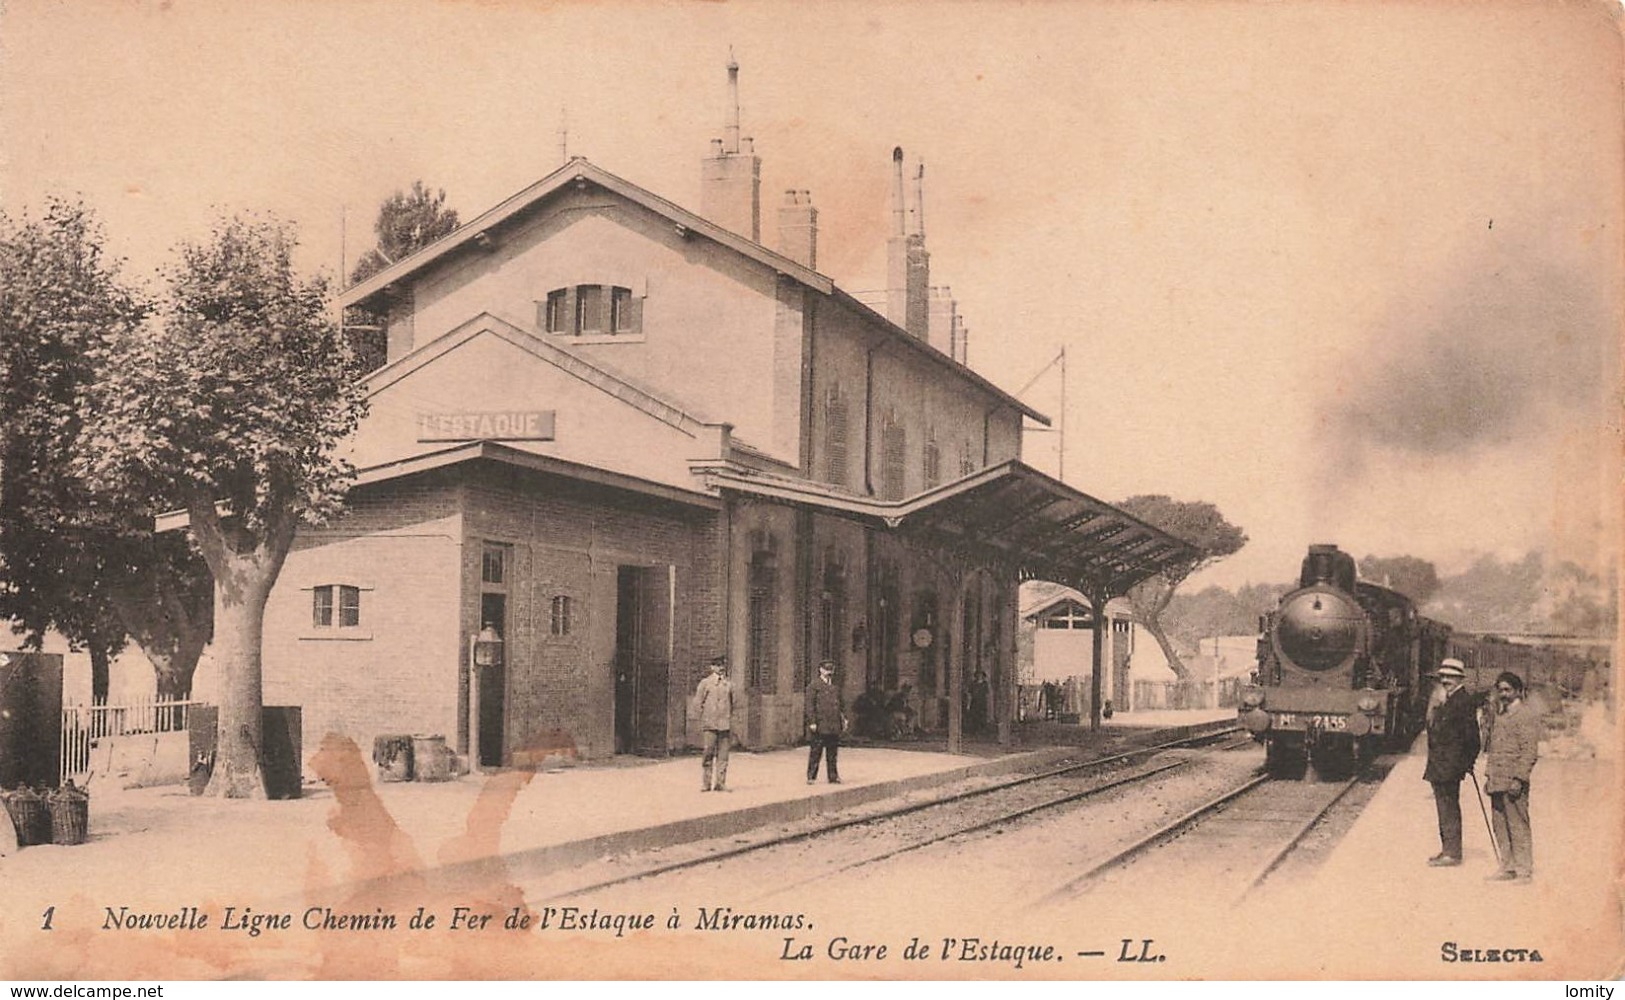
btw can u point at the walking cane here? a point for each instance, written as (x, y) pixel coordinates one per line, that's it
(1487, 828)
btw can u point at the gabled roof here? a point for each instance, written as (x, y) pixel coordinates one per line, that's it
(579, 171)
(1039, 596)
(594, 373)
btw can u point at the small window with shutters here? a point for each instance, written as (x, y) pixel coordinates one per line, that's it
(835, 433)
(893, 443)
(591, 311)
(932, 462)
(967, 459)
(557, 317)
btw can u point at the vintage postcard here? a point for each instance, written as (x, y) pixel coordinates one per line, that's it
(1034, 491)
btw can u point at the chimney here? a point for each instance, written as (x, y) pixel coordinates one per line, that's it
(731, 177)
(897, 248)
(917, 314)
(944, 321)
(798, 228)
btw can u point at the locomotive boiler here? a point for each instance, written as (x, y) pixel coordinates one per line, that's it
(1342, 669)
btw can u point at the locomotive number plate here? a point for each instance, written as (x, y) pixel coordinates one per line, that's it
(1329, 723)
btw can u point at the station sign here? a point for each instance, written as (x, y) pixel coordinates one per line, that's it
(504, 425)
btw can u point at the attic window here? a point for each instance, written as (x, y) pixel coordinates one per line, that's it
(591, 311)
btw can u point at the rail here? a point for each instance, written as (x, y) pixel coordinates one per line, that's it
(1183, 735)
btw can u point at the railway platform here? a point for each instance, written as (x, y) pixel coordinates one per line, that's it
(164, 845)
(1451, 922)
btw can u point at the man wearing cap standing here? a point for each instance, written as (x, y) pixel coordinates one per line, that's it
(826, 718)
(714, 705)
(1452, 749)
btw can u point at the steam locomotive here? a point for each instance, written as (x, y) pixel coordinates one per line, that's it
(1342, 669)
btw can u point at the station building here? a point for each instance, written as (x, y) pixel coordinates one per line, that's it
(613, 437)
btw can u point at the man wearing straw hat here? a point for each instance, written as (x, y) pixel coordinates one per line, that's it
(1452, 748)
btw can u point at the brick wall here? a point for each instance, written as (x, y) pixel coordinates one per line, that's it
(570, 539)
(397, 672)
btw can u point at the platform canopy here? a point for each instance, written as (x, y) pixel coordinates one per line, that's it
(1011, 513)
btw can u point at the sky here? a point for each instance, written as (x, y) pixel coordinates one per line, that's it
(1350, 271)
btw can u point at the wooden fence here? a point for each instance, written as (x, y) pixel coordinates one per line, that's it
(87, 727)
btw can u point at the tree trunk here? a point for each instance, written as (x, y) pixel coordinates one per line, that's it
(240, 623)
(1154, 626)
(245, 567)
(171, 624)
(100, 673)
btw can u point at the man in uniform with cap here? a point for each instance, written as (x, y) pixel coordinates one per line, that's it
(1452, 749)
(826, 719)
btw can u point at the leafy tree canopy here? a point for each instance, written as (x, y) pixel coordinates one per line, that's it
(61, 300)
(233, 409)
(407, 222)
(240, 396)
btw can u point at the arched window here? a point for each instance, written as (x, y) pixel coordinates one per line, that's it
(591, 310)
(561, 615)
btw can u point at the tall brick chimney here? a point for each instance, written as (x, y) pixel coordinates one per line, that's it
(731, 177)
(917, 319)
(897, 248)
(908, 265)
(798, 228)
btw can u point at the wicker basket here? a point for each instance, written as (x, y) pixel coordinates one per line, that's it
(30, 815)
(70, 815)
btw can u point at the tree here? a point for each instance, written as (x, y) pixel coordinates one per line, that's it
(1580, 602)
(407, 222)
(60, 297)
(1197, 522)
(232, 410)
(1413, 577)
(1494, 596)
(75, 560)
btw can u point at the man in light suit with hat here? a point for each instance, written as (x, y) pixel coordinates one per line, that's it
(1452, 749)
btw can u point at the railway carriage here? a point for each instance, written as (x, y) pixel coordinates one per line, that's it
(1342, 668)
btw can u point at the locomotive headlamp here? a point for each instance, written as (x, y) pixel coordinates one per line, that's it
(1252, 698)
(1368, 703)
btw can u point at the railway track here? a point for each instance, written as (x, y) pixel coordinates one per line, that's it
(1237, 839)
(962, 813)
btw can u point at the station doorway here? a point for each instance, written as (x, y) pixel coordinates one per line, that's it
(643, 649)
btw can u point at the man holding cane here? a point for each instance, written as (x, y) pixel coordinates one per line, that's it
(1452, 748)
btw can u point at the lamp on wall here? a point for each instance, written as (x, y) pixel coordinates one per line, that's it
(488, 648)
